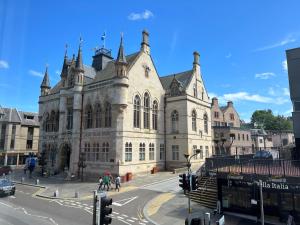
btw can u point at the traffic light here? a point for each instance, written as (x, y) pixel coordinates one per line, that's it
(194, 182)
(182, 181)
(105, 211)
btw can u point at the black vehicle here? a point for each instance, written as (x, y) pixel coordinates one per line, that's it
(263, 154)
(7, 187)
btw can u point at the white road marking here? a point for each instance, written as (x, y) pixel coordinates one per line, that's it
(85, 204)
(132, 221)
(124, 201)
(120, 217)
(57, 202)
(157, 182)
(87, 208)
(88, 211)
(116, 213)
(145, 221)
(124, 221)
(124, 215)
(142, 223)
(12, 196)
(134, 218)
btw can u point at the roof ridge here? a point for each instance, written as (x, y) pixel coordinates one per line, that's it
(176, 73)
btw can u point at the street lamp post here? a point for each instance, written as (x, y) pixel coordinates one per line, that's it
(188, 159)
(81, 163)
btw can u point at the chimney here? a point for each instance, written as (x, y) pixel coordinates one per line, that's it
(196, 64)
(145, 47)
(229, 104)
(215, 101)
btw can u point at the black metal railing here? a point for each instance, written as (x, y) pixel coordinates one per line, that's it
(269, 167)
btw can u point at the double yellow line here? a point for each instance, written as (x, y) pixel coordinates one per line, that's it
(140, 214)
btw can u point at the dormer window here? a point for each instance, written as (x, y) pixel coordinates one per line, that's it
(28, 117)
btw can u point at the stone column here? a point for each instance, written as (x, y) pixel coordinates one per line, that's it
(17, 159)
(5, 159)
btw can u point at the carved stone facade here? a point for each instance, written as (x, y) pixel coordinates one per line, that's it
(123, 116)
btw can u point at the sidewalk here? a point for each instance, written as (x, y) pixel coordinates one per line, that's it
(67, 189)
(172, 209)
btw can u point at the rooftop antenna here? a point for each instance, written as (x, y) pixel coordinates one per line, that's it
(103, 37)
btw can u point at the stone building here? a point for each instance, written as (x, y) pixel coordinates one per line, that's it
(228, 136)
(122, 115)
(19, 136)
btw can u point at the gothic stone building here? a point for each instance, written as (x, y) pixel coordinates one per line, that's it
(122, 115)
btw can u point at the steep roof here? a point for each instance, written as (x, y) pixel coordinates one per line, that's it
(109, 71)
(24, 118)
(29, 118)
(183, 78)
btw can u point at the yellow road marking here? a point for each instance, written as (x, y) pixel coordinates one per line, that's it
(157, 202)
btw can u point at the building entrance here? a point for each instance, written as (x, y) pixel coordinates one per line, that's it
(65, 157)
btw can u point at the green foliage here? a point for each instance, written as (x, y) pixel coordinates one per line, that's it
(266, 120)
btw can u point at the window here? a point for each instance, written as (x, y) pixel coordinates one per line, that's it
(175, 152)
(194, 151)
(87, 151)
(194, 118)
(136, 111)
(260, 140)
(231, 116)
(2, 139)
(239, 137)
(52, 122)
(69, 119)
(161, 151)
(201, 152)
(107, 115)
(128, 152)
(29, 138)
(151, 151)
(206, 151)
(105, 152)
(146, 111)
(98, 113)
(142, 152)
(13, 135)
(195, 90)
(247, 137)
(243, 135)
(205, 123)
(97, 152)
(154, 115)
(174, 117)
(216, 114)
(88, 117)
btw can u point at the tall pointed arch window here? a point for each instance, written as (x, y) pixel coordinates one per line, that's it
(98, 113)
(128, 152)
(154, 115)
(136, 111)
(205, 118)
(174, 118)
(107, 115)
(88, 117)
(146, 111)
(194, 119)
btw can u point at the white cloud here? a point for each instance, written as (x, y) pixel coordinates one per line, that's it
(284, 66)
(264, 76)
(35, 73)
(288, 39)
(4, 64)
(271, 91)
(228, 55)
(286, 91)
(147, 14)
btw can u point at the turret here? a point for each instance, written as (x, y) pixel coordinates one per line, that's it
(196, 64)
(45, 86)
(145, 47)
(79, 71)
(121, 63)
(64, 71)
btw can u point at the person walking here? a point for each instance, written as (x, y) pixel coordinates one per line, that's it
(106, 182)
(100, 188)
(118, 183)
(290, 220)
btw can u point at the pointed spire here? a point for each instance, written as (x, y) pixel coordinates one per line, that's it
(121, 55)
(46, 82)
(79, 63)
(64, 70)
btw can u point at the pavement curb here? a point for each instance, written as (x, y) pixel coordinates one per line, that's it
(145, 212)
(27, 184)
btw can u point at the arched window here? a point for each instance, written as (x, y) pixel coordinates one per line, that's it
(142, 152)
(154, 115)
(151, 151)
(146, 111)
(57, 121)
(52, 122)
(107, 115)
(105, 152)
(47, 122)
(136, 111)
(88, 117)
(98, 113)
(205, 123)
(194, 118)
(128, 152)
(174, 117)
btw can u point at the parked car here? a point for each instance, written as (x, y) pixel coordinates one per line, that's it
(263, 154)
(7, 187)
(5, 170)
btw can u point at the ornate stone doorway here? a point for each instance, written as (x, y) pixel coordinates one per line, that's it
(65, 157)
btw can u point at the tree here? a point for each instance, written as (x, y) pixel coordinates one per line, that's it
(266, 120)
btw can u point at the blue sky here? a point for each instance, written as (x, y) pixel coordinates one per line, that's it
(242, 44)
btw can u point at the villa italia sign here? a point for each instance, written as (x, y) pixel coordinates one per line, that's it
(277, 186)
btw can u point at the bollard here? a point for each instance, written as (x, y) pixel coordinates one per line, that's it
(76, 194)
(56, 193)
(22, 180)
(37, 182)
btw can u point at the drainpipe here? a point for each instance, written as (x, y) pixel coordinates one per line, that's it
(165, 132)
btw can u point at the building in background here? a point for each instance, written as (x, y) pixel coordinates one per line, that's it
(19, 136)
(228, 136)
(122, 116)
(293, 62)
